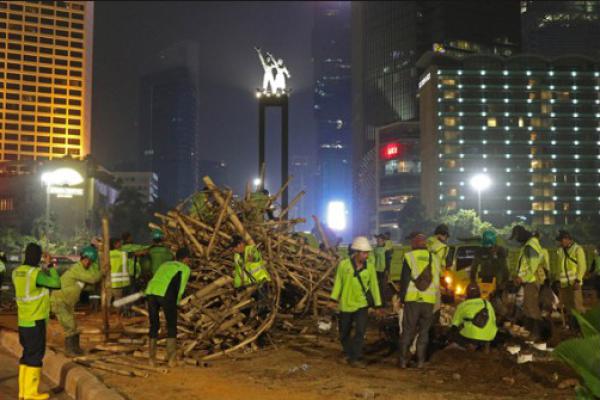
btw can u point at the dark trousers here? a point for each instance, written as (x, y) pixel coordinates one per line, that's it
(383, 287)
(168, 303)
(33, 341)
(417, 319)
(353, 344)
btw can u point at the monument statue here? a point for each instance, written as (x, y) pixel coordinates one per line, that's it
(275, 73)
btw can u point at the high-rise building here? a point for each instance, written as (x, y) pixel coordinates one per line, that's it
(169, 123)
(45, 79)
(531, 124)
(397, 172)
(388, 38)
(333, 103)
(556, 28)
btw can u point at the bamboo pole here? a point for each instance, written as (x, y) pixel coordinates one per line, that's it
(291, 205)
(218, 225)
(106, 282)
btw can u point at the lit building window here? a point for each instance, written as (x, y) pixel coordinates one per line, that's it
(491, 122)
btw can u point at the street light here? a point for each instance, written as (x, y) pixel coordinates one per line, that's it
(60, 177)
(257, 183)
(480, 182)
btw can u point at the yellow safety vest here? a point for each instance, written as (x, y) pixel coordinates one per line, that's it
(33, 302)
(569, 264)
(527, 267)
(438, 248)
(119, 273)
(417, 261)
(249, 272)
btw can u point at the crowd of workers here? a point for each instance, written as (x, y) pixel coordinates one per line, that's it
(362, 281)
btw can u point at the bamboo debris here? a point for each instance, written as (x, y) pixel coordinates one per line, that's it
(216, 318)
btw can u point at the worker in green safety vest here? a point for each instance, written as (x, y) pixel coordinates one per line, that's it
(569, 275)
(135, 252)
(438, 244)
(355, 289)
(158, 253)
(63, 301)
(530, 257)
(465, 332)
(419, 290)
(164, 291)
(120, 273)
(383, 260)
(32, 285)
(249, 267)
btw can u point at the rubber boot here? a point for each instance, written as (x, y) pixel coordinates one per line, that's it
(172, 352)
(21, 381)
(32, 382)
(421, 355)
(70, 347)
(152, 352)
(76, 344)
(402, 361)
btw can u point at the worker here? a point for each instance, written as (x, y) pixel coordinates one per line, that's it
(63, 301)
(571, 269)
(530, 256)
(382, 265)
(119, 271)
(419, 289)
(474, 321)
(249, 267)
(438, 244)
(355, 289)
(200, 207)
(134, 255)
(164, 291)
(32, 294)
(158, 253)
(490, 263)
(260, 201)
(389, 247)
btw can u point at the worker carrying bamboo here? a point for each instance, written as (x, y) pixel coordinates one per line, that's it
(355, 289)
(474, 321)
(569, 275)
(32, 285)
(419, 290)
(531, 255)
(249, 266)
(165, 290)
(63, 301)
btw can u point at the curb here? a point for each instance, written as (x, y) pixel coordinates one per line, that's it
(77, 381)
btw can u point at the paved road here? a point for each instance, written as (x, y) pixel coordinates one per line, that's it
(9, 379)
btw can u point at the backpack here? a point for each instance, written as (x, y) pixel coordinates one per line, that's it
(482, 317)
(423, 281)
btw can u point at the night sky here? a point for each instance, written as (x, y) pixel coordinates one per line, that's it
(128, 36)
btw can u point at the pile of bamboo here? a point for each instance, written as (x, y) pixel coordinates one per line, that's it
(214, 317)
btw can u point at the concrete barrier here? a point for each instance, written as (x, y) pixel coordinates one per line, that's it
(77, 382)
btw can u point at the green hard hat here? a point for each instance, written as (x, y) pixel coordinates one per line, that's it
(157, 234)
(90, 253)
(488, 239)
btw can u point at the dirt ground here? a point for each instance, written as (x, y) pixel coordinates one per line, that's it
(310, 368)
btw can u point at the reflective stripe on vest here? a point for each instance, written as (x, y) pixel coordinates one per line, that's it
(120, 278)
(568, 264)
(430, 294)
(28, 298)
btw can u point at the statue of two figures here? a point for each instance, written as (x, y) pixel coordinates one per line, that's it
(275, 75)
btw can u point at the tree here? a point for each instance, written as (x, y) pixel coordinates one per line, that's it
(130, 214)
(465, 224)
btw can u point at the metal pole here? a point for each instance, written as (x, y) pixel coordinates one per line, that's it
(261, 135)
(479, 203)
(47, 215)
(377, 183)
(284, 151)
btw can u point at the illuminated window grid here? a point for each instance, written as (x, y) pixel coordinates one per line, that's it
(460, 100)
(42, 64)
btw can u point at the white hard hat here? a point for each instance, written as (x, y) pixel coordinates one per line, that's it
(361, 243)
